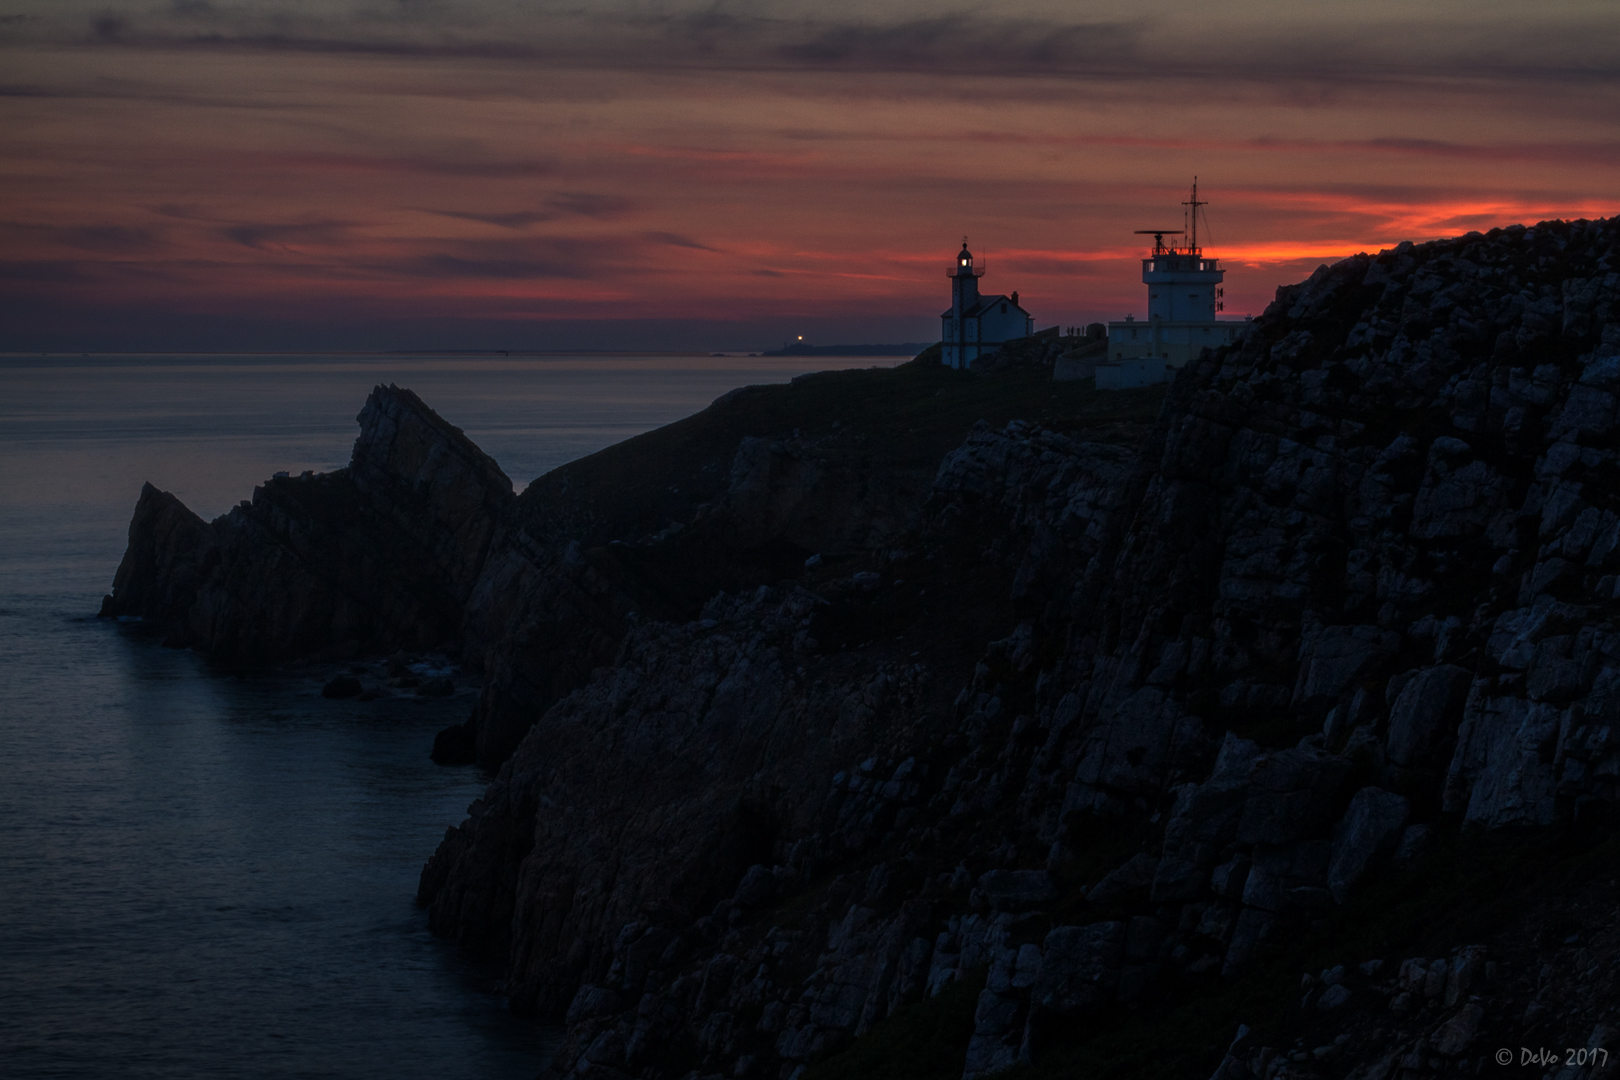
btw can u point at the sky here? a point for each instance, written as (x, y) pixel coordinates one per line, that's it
(266, 175)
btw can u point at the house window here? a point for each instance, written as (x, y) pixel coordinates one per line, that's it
(1004, 309)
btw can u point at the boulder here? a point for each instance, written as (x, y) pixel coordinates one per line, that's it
(438, 687)
(1125, 880)
(994, 1044)
(1017, 890)
(1334, 996)
(1501, 773)
(1287, 877)
(1336, 657)
(591, 1002)
(1415, 842)
(1371, 829)
(1289, 795)
(1080, 968)
(1253, 926)
(757, 888)
(1455, 1034)
(1426, 707)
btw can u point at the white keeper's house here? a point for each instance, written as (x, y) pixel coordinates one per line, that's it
(1184, 293)
(977, 324)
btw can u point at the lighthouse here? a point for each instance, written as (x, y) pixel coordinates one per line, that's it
(1184, 295)
(977, 324)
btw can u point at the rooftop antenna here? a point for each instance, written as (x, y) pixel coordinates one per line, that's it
(1158, 238)
(1193, 204)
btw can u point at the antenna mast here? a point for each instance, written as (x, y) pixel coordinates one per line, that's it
(1193, 204)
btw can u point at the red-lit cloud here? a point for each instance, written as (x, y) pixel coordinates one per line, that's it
(526, 175)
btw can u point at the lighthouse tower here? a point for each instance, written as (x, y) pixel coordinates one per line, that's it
(1184, 295)
(977, 324)
(965, 277)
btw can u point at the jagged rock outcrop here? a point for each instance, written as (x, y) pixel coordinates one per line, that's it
(171, 552)
(376, 557)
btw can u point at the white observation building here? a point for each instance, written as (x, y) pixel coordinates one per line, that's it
(977, 324)
(1184, 293)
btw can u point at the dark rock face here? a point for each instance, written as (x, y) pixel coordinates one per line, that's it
(378, 556)
(1371, 539)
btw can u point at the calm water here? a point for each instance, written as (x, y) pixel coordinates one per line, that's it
(209, 876)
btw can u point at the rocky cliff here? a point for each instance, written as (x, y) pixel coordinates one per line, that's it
(1345, 605)
(849, 738)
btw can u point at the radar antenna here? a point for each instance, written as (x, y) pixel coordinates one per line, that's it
(1158, 238)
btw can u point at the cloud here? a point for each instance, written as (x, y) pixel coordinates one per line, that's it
(572, 258)
(493, 168)
(970, 45)
(1319, 50)
(100, 238)
(442, 49)
(676, 240)
(109, 27)
(263, 236)
(563, 205)
(47, 271)
(1057, 264)
(516, 219)
(452, 266)
(590, 204)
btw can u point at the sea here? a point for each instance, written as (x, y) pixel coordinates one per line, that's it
(212, 874)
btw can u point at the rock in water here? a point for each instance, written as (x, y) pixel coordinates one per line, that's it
(344, 686)
(374, 557)
(171, 552)
(437, 687)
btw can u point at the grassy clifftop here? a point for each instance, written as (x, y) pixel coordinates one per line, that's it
(904, 419)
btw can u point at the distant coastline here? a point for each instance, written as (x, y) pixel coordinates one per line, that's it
(909, 348)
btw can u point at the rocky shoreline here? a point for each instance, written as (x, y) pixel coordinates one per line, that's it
(839, 735)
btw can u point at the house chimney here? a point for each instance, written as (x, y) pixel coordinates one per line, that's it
(1015, 298)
